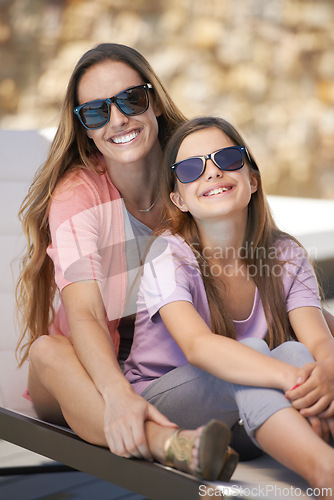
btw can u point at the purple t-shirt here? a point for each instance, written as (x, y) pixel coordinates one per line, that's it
(171, 273)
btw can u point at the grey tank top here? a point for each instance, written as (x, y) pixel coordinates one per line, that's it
(137, 237)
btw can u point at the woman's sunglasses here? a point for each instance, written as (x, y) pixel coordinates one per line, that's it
(131, 102)
(229, 159)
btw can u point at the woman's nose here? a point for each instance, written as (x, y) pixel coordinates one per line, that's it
(117, 118)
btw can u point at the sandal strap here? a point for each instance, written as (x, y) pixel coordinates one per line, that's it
(178, 452)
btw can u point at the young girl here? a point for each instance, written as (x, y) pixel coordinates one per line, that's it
(221, 272)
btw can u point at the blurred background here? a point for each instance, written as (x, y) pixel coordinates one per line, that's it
(266, 65)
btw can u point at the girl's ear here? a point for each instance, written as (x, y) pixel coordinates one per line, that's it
(177, 199)
(253, 183)
(89, 133)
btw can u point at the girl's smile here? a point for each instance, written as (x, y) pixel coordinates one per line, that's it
(218, 189)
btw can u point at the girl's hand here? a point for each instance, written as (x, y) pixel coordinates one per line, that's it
(323, 427)
(316, 394)
(124, 424)
(320, 427)
(328, 413)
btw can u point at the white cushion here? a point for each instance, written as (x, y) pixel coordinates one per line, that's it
(22, 153)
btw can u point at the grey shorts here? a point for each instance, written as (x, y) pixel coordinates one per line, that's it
(191, 397)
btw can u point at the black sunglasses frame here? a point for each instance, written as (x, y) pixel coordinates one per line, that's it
(211, 157)
(113, 100)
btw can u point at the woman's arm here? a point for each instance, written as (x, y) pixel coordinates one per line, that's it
(223, 357)
(316, 394)
(125, 411)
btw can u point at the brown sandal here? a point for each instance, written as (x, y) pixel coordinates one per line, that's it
(230, 464)
(216, 460)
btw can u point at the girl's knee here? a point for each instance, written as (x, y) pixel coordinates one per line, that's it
(293, 352)
(257, 344)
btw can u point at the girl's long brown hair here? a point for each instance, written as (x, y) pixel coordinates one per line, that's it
(262, 235)
(71, 147)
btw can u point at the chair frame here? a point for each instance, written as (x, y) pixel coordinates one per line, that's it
(151, 480)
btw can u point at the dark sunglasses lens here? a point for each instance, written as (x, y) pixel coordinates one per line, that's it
(189, 170)
(229, 159)
(95, 114)
(133, 101)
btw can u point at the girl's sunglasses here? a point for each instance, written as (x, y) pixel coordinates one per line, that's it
(131, 102)
(189, 170)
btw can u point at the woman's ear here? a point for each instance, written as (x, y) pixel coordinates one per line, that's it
(253, 183)
(89, 133)
(157, 110)
(177, 199)
(154, 104)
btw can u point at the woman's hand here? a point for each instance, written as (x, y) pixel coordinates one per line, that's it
(315, 395)
(125, 413)
(124, 424)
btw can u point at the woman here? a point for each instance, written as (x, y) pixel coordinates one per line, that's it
(87, 218)
(101, 173)
(221, 275)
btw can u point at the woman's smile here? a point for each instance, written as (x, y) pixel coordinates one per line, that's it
(125, 137)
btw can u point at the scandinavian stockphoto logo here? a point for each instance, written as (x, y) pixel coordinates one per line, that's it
(93, 249)
(268, 260)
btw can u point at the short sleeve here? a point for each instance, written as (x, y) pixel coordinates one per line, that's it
(74, 224)
(87, 237)
(170, 274)
(300, 283)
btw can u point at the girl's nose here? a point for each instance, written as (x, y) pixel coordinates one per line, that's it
(212, 171)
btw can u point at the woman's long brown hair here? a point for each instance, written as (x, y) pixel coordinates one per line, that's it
(71, 147)
(262, 235)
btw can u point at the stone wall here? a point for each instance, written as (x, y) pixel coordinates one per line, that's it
(266, 65)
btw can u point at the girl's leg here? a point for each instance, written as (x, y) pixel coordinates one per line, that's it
(293, 352)
(288, 437)
(191, 397)
(285, 434)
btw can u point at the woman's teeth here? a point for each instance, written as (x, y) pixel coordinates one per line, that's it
(218, 191)
(125, 138)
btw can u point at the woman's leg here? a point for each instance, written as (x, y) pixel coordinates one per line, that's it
(63, 392)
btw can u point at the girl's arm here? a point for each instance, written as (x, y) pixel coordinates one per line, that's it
(223, 357)
(329, 319)
(125, 411)
(316, 394)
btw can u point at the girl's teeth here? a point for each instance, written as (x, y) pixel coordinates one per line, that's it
(217, 191)
(125, 138)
